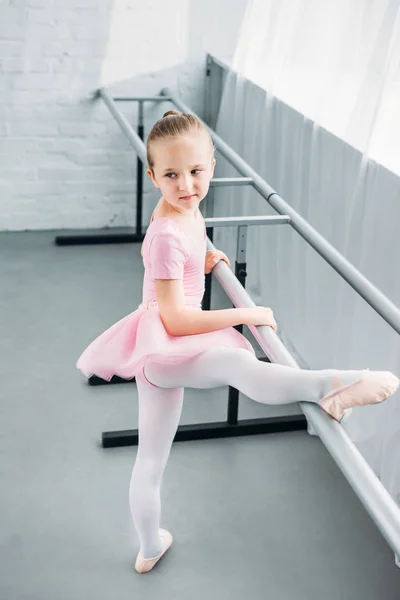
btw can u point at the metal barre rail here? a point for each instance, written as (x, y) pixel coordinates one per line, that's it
(373, 495)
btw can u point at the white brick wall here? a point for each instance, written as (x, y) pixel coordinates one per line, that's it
(64, 163)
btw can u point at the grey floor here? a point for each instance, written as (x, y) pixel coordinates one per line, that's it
(259, 517)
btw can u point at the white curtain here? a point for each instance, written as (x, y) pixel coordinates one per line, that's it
(336, 62)
(315, 111)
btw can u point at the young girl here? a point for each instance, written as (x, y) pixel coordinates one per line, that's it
(169, 343)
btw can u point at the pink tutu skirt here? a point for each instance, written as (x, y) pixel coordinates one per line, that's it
(140, 337)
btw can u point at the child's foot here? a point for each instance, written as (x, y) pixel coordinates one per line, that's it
(370, 388)
(143, 565)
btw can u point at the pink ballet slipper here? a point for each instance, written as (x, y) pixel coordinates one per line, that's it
(144, 565)
(371, 388)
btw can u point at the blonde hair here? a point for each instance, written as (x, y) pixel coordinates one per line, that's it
(173, 124)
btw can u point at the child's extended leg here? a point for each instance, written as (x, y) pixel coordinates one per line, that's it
(159, 414)
(269, 383)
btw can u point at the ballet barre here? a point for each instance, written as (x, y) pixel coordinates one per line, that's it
(373, 495)
(376, 499)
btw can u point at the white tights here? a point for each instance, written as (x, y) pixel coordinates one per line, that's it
(161, 388)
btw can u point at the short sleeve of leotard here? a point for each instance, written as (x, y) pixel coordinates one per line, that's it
(167, 255)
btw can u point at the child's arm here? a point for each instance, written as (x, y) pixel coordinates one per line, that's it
(180, 320)
(167, 259)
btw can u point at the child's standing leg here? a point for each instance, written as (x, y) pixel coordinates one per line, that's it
(159, 414)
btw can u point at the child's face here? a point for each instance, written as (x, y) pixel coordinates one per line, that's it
(183, 168)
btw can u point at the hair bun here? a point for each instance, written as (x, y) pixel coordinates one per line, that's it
(171, 112)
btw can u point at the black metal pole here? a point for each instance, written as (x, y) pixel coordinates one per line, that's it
(233, 396)
(139, 174)
(206, 304)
